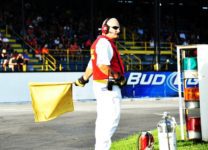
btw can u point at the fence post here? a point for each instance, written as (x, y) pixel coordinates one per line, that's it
(60, 67)
(46, 65)
(124, 33)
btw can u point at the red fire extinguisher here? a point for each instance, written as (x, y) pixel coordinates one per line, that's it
(146, 141)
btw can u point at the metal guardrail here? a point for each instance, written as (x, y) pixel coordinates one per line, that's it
(49, 63)
(131, 62)
(132, 47)
(63, 59)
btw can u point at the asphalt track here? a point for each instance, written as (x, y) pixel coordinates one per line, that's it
(75, 131)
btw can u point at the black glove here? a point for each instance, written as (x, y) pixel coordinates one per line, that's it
(121, 81)
(81, 82)
(110, 84)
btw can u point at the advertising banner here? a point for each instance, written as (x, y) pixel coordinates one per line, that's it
(153, 84)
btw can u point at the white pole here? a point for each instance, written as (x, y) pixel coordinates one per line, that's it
(179, 93)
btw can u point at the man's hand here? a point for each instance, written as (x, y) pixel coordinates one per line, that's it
(121, 81)
(81, 82)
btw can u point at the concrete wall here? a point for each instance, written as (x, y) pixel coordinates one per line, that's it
(14, 87)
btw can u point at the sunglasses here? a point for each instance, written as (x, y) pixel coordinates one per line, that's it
(115, 27)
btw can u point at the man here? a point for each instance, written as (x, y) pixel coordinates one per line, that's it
(107, 70)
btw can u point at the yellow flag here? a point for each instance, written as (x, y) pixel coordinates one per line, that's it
(50, 100)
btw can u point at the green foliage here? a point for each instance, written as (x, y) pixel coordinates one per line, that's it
(131, 142)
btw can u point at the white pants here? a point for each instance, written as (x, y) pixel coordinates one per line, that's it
(108, 114)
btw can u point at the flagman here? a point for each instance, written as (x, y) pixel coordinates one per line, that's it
(107, 70)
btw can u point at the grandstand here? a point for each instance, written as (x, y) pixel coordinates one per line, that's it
(63, 22)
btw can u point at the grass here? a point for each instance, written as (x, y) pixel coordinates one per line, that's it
(130, 143)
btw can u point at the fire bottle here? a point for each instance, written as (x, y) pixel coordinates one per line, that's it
(167, 132)
(146, 141)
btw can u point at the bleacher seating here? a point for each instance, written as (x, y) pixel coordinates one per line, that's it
(33, 64)
(57, 30)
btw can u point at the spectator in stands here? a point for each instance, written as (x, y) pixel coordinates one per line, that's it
(45, 52)
(9, 49)
(74, 50)
(56, 42)
(45, 49)
(1, 61)
(26, 57)
(67, 31)
(20, 62)
(5, 40)
(4, 59)
(15, 54)
(38, 53)
(87, 44)
(152, 43)
(13, 63)
(1, 42)
(185, 42)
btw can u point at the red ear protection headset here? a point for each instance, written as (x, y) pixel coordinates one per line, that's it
(105, 27)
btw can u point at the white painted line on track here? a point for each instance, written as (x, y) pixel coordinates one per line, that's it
(15, 110)
(158, 114)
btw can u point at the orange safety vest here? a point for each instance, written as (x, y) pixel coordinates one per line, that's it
(116, 63)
